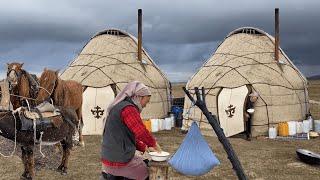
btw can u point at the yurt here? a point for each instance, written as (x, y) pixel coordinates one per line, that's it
(244, 62)
(104, 66)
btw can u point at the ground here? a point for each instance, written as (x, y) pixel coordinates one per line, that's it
(261, 158)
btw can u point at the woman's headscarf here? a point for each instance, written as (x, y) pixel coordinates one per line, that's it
(134, 90)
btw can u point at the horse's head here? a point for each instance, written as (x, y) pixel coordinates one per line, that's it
(14, 73)
(48, 81)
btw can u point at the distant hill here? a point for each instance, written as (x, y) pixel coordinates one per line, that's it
(316, 77)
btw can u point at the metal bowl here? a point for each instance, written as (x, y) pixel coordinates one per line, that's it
(250, 111)
(308, 156)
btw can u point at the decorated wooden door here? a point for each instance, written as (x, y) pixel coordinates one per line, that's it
(231, 104)
(94, 109)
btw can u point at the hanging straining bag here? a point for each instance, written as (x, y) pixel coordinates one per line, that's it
(194, 156)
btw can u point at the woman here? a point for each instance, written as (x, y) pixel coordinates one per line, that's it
(253, 97)
(124, 133)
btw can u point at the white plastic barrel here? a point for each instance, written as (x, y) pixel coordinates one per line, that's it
(299, 127)
(161, 124)
(306, 126)
(272, 133)
(168, 123)
(292, 128)
(317, 126)
(154, 125)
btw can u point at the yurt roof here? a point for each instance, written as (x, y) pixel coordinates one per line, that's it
(246, 56)
(110, 57)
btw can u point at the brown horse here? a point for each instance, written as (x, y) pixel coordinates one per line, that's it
(63, 93)
(11, 123)
(22, 85)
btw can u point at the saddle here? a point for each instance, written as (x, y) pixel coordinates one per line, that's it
(44, 116)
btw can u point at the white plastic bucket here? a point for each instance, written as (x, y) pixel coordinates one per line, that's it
(154, 125)
(161, 124)
(317, 126)
(306, 126)
(292, 128)
(167, 123)
(299, 127)
(272, 133)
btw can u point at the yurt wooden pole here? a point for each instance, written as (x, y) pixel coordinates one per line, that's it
(276, 50)
(140, 35)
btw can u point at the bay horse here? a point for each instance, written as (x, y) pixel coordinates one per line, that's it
(23, 86)
(63, 93)
(10, 128)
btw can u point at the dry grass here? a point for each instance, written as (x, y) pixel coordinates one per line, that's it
(261, 159)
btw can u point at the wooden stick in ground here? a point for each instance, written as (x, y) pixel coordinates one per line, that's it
(219, 132)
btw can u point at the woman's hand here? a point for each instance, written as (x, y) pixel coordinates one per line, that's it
(157, 148)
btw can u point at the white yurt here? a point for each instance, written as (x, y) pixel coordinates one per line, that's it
(242, 63)
(104, 66)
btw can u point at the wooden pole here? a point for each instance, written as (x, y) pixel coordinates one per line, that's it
(276, 50)
(140, 35)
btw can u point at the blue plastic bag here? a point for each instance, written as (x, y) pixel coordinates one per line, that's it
(194, 156)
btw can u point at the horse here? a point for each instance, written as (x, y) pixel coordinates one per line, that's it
(23, 86)
(11, 125)
(63, 93)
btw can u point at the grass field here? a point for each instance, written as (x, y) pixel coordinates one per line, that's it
(261, 158)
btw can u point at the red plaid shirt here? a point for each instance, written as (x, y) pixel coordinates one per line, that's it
(131, 118)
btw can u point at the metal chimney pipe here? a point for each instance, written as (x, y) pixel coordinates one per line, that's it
(276, 44)
(140, 35)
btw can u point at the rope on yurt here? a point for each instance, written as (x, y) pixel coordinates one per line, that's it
(143, 73)
(235, 69)
(243, 56)
(123, 47)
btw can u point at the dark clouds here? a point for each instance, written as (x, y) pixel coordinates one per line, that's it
(179, 35)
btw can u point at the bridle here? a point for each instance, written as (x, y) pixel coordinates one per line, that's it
(18, 75)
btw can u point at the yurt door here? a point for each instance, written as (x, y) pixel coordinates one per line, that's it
(230, 109)
(95, 102)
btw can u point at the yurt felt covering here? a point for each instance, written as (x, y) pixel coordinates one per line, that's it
(110, 58)
(246, 57)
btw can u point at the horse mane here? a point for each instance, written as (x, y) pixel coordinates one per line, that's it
(59, 95)
(47, 79)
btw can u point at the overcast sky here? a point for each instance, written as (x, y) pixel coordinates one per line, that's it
(178, 34)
